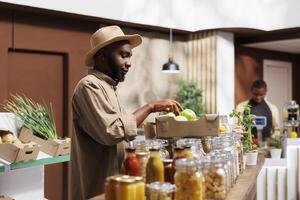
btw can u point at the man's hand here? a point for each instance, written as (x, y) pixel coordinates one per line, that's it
(167, 105)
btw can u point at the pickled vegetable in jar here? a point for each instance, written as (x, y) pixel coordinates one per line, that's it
(131, 164)
(155, 167)
(188, 180)
(206, 144)
(215, 178)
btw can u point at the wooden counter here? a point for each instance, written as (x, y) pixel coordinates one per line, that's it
(245, 187)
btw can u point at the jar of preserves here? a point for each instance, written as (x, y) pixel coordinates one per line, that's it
(126, 189)
(131, 163)
(140, 188)
(110, 187)
(188, 180)
(193, 147)
(160, 191)
(155, 167)
(215, 177)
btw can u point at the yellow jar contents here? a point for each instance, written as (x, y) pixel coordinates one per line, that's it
(155, 167)
(110, 186)
(188, 181)
(126, 189)
(140, 188)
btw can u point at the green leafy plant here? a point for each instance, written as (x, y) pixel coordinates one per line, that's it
(246, 120)
(190, 97)
(39, 118)
(275, 142)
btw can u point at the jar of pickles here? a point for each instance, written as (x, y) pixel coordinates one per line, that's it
(215, 177)
(160, 191)
(155, 167)
(188, 180)
(227, 158)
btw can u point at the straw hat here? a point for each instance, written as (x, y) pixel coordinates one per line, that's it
(107, 35)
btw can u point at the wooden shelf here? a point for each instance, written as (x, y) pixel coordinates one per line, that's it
(245, 187)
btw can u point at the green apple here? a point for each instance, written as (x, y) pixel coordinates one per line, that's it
(181, 118)
(189, 114)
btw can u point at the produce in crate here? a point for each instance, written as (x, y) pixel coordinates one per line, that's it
(185, 115)
(9, 138)
(35, 116)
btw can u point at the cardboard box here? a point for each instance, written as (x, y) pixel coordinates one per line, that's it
(168, 127)
(18, 152)
(54, 147)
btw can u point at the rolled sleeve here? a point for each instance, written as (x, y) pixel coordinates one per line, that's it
(101, 120)
(130, 128)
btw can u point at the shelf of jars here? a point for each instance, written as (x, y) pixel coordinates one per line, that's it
(186, 168)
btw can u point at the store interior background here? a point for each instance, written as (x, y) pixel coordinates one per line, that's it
(42, 54)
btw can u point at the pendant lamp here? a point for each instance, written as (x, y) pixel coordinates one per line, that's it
(170, 66)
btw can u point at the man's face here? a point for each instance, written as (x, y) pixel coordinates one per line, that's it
(258, 94)
(118, 60)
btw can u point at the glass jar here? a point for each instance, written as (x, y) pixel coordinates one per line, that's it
(227, 158)
(227, 143)
(193, 146)
(142, 154)
(140, 188)
(126, 189)
(224, 125)
(131, 163)
(110, 187)
(155, 167)
(160, 191)
(188, 180)
(214, 174)
(291, 113)
(168, 170)
(240, 151)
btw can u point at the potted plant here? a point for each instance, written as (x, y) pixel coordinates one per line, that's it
(246, 120)
(190, 97)
(275, 145)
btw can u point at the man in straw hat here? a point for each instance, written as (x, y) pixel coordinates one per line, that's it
(99, 120)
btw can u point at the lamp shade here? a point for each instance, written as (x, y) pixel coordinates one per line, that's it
(170, 67)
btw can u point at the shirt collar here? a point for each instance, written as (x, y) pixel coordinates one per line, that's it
(103, 76)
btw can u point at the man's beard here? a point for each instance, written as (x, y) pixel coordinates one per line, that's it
(115, 71)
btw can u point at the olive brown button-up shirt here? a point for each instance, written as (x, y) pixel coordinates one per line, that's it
(100, 124)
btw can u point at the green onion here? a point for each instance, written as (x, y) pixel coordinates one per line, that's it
(39, 118)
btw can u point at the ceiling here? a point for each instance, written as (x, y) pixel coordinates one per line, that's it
(288, 45)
